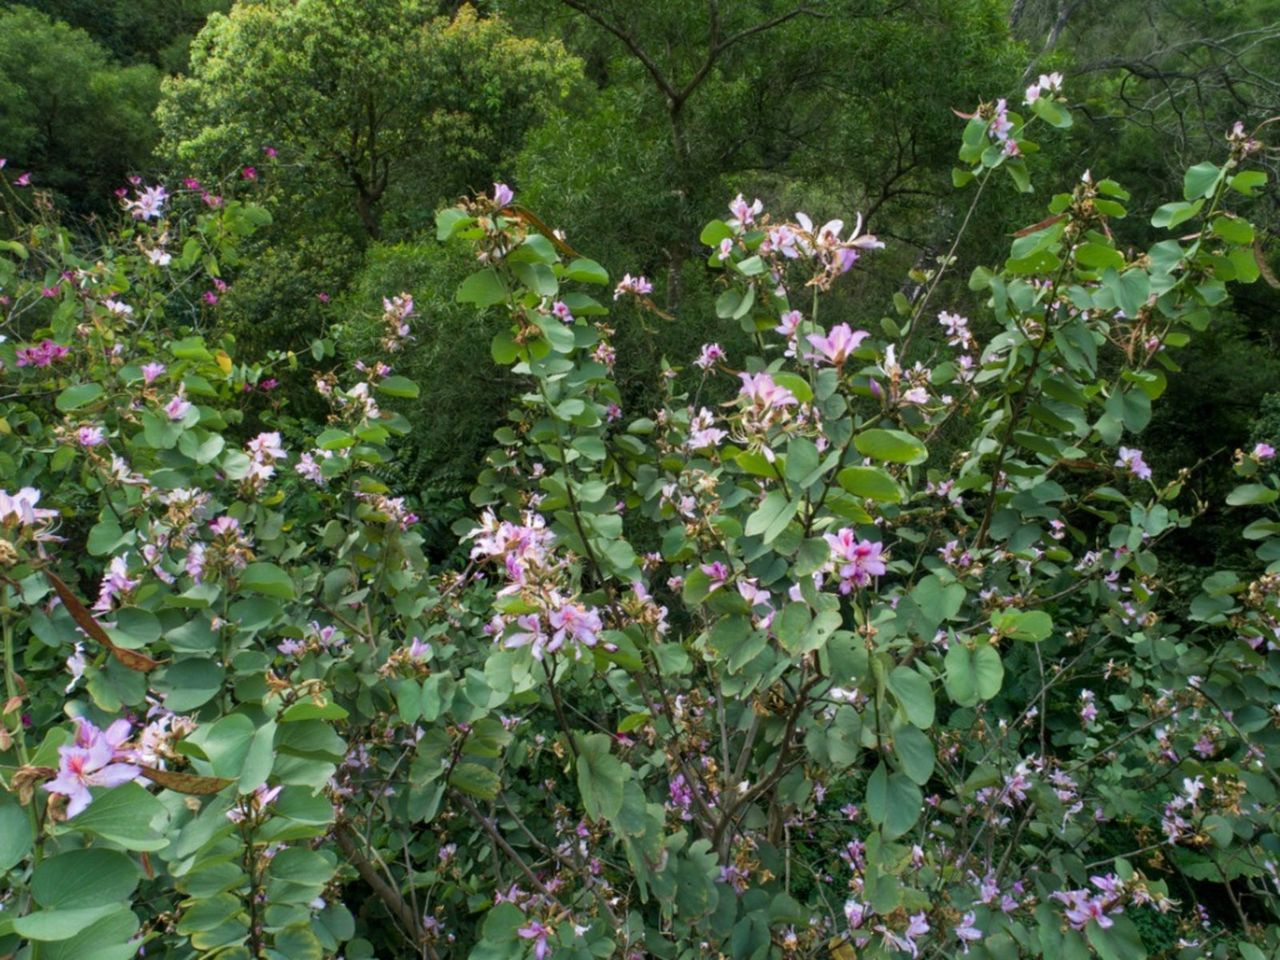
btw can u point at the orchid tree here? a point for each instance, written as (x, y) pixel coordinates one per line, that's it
(877, 658)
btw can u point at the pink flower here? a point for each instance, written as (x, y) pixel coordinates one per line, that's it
(149, 204)
(502, 195)
(966, 931)
(744, 214)
(151, 371)
(857, 561)
(270, 152)
(310, 469)
(789, 323)
(19, 509)
(90, 436)
(576, 623)
(178, 406)
(561, 312)
(763, 393)
(115, 583)
(249, 173)
(837, 346)
(1131, 459)
(24, 180)
(1000, 122)
(636, 286)
(712, 353)
(1264, 451)
(717, 572)
(703, 431)
(540, 935)
(90, 762)
(41, 355)
(210, 298)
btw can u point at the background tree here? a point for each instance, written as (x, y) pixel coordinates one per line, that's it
(68, 112)
(368, 102)
(138, 31)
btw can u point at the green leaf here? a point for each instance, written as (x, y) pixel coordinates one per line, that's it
(15, 834)
(475, 780)
(268, 579)
(538, 277)
(310, 710)
(1051, 112)
(334, 439)
(398, 386)
(915, 694)
(108, 938)
(258, 758)
(1233, 229)
(894, 803)
(601, 777)
(772, 516)
(973, 675)
(450, 220)
(1120, 941)
(1248, 182)
(47, 925)
(915, 751)
(1171, 214)
(77, 396)
(714, 232)
(1130, 289)
(84, 878)
(483, 288)
(190, 348)
(583, 270)
(893, 446)
(871, 483)
(1251, 494)
(1200, 181)
(127, 815)
(1031, 625)
(191, 683)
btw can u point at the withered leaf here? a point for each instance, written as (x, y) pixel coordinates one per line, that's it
(81, 615)
(186, 782)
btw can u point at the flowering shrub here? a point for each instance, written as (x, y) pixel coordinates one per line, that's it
(873, 660)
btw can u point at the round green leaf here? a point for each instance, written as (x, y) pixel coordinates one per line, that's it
(892, 446)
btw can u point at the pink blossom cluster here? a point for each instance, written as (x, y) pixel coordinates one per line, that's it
(147, 204)
(832, 254)
(395, 319)
(42, 354)
(264, 450)
(637, 286)
(856, 561)
(523, 552)
(96, 758)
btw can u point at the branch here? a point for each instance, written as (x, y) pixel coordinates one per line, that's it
(630, 43)
(389, 895)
